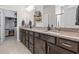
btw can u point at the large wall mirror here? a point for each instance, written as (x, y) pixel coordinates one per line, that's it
(67, 16)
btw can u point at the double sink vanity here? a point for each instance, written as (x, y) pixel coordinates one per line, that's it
(41, 41)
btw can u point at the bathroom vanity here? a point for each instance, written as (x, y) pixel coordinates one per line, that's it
(48, 42)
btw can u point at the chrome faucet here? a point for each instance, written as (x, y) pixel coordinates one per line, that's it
(48, 28)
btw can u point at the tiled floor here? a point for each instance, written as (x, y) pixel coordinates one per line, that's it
(12, 46)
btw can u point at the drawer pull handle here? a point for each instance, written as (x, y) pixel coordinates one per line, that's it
(66, 45)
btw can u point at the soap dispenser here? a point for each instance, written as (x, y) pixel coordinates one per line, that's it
(30, 24)
(23, 23)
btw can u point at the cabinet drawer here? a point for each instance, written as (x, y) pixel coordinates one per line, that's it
(47, 38)
(37, 35)
(59, 50)
(51, 39)
(70, 45)
(30, 33)
(44, 37)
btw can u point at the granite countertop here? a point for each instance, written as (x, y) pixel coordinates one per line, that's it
(62, 34)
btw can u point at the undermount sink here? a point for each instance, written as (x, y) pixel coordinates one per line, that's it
(52, 32)
(47, 31)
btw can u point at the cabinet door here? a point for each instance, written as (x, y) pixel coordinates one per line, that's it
(31, 39)
(26, 44)
(59, 50)
(50, 48)
(39, 46)
(31, 47)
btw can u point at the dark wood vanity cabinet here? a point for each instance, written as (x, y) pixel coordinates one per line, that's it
(39, 46)
(39, 43)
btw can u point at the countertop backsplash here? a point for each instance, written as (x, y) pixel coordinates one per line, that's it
(69, 29)
(58, 29)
